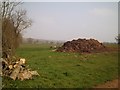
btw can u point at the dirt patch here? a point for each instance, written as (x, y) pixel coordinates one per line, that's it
(109, 84)
(82, 46)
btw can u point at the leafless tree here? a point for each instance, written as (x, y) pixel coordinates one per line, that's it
(14, 21)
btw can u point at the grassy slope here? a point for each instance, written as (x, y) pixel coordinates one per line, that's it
(65, 70)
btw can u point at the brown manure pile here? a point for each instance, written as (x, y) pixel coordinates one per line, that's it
(82, 46)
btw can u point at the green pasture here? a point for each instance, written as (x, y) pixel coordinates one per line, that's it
(65, 70)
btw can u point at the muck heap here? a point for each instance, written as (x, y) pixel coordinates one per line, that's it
(82, 46)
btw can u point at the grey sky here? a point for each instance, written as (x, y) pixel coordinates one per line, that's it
(69, 20)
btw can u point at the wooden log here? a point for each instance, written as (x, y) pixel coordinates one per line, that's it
(15, 73)
(26, 74)
(34, 73)
(22, 61)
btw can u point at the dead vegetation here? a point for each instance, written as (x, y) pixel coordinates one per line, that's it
(14, 21)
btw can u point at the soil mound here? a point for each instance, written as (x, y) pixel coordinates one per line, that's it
(82, 46)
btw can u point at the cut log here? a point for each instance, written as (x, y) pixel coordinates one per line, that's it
(25, 75)
(15, 73)
(22, 61)
(16, 69)
(10, 66)
(34, 73)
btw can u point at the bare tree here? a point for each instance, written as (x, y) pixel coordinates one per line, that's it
(14, 21)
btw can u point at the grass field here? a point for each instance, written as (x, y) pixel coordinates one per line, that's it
(65, 70)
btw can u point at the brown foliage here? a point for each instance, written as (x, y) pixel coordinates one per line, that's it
(10, 40)
(14, 21)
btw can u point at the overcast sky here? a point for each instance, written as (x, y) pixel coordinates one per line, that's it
(72, 20)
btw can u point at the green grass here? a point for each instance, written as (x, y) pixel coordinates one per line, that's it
(65, 70)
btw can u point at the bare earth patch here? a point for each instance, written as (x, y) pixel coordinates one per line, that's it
(109, 84)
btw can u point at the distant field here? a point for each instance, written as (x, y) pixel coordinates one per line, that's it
(65, 70)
